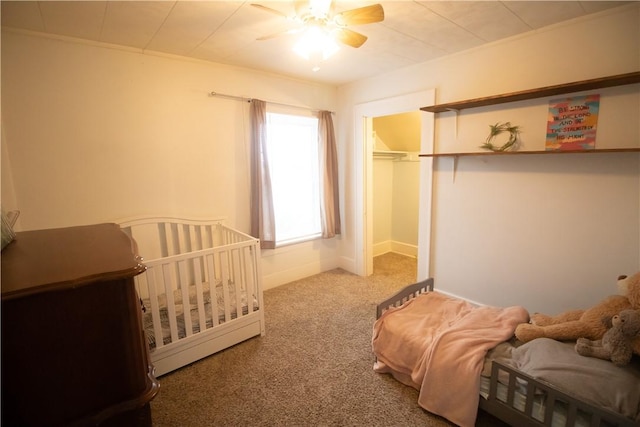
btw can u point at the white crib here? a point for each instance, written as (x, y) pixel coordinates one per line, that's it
(202, 290)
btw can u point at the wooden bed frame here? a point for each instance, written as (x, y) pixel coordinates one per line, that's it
(504, 407)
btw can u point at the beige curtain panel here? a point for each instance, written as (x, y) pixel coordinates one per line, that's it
(330, 204)
(263, 224)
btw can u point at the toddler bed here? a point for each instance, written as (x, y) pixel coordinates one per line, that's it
(465, 365)
(201, 291)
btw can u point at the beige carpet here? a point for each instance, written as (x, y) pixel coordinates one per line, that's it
(312, 368)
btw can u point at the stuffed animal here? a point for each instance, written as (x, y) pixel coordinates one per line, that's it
(574, 324)
(616, 343)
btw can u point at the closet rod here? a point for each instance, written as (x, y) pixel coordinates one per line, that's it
(241, 98)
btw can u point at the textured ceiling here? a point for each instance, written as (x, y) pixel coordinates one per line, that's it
(226, 31)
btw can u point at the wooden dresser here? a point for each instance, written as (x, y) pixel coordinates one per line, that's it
(73, 347)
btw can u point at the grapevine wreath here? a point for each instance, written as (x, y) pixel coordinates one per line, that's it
(499, 128)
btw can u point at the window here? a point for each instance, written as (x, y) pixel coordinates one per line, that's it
(292, 147)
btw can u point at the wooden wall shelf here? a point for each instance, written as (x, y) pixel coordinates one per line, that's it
(517, 153)
(617, 80)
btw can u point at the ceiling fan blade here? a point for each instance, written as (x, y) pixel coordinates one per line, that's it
(268, 9)
(280, 33)
(360, 16)
(349, 37)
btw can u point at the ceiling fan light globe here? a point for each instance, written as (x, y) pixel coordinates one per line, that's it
(315, 42)
(330, 49)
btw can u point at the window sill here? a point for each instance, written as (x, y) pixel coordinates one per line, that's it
(298, 240)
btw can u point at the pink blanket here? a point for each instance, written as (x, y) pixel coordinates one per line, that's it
(437, 344)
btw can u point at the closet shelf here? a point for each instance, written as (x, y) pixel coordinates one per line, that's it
(517, 153)
(389, 154)
(617, 80)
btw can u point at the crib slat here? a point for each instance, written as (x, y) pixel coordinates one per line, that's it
(240, 283)
(209, 235)
(186, 235)
(511, 390)
(175, 242)
(179, 238)
(254, 272)
(572, 415)
(186, 303)
(196, 233)
(549, 404)
(224, 268)
(169, 284)
(185, 241)
(248, 278)
(211, 275)
(200, 294)
(528, 407)
(164, 239)
(155, 307)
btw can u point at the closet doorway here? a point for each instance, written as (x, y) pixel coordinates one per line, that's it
(365, 178)
(396, 182)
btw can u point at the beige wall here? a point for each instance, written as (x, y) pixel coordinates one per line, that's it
(395, 206)
(93, 134)
(547, 232)
(400, 132)
(382, 205)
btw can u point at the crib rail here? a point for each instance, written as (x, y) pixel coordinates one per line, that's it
(167, 236)
(200, 290)
(200, 274)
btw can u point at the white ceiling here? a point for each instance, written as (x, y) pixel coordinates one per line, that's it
(226, 31)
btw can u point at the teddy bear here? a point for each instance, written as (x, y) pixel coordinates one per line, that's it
(574, 324)
(615, 344)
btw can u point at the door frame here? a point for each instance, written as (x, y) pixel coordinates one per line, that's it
(364, 177)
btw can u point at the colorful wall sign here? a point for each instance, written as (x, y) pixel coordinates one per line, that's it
(572, 123)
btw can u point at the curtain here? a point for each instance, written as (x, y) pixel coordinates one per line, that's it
(330, 206)
(263, 224)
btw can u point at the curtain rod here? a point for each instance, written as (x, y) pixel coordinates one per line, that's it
(241, 98)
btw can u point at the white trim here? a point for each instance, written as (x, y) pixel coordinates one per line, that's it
(297, 272)
(363, 158)
(405, 249)
(425, 209)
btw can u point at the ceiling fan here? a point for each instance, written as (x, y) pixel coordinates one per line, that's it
(318, 14)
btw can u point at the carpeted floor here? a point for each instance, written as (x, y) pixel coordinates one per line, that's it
(312, 368)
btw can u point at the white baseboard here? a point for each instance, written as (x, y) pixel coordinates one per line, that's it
(347, 264)
(296, 273)
(476, 303)
(381, 248)
(405, 249)
(397, 247)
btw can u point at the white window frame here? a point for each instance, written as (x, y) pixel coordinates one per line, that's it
(295, 161)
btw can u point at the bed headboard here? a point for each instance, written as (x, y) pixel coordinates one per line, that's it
(404, 295)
